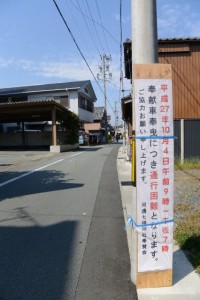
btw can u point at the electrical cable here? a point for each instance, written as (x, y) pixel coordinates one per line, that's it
(82, 35)
(121, 37)
(108, 32)
(121, 72)
(102, 26)
(94, 26)
(73, 38)
(88, 28)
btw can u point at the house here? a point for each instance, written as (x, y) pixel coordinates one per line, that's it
(37, 107)
(184, 57)
(78, 97)
(96, 130)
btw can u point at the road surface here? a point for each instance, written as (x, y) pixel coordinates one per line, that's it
(62, 227)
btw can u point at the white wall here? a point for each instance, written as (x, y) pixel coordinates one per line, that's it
(84, 115)
(73, 100)
(46, 96)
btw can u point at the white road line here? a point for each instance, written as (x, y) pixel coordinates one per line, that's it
(55, 162)
(75, 154)
(31, 172)
(28, 173)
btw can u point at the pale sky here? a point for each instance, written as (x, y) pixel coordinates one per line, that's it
(36, 47)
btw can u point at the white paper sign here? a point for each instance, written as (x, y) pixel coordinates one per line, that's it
(154, 173)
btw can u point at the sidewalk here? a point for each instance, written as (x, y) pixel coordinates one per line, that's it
(186, 283)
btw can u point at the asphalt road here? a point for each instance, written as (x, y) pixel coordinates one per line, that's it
(62, 227)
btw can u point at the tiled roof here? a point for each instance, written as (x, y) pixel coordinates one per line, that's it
(27, 102)
(180, 39)
(177, 39)
(11, 105)
(43, 87)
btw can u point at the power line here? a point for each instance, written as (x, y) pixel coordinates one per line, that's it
(76, 44)
(108, 32)
(73, 38)
(120, 35)
(76, 23)
(102, 26)
(88, 27)
(94, 26)
(121, 73)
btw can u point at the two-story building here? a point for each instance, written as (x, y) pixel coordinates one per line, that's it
(37, 107)
(96, 130)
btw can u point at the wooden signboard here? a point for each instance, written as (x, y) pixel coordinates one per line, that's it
(154, 139)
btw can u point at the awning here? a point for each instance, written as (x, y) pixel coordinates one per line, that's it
(30, 111)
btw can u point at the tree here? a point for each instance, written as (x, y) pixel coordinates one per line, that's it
(70, 122)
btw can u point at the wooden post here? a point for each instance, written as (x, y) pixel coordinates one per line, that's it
(23, 136)
(154, 175)
(54, 129)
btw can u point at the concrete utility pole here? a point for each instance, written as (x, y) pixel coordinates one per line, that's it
(105, 75)
(144, 51)
(144, 32)
(116, 118)
(144, 37)
(124, 125)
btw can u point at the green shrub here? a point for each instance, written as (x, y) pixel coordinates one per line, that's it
(189, 164)
(187, 235)
(71, 123)
(110, 138)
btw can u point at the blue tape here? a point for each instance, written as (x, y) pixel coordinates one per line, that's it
(154, 137)
(132, 222)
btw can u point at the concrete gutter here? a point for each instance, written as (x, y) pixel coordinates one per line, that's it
(186, 282)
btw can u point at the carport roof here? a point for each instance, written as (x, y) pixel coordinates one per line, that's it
(30, 111)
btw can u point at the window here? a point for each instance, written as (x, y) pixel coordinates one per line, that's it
(85, 104)
(86, 90)
(63, 100)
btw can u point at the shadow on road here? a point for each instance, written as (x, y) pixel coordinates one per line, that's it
(35, 261)
(41, 182)
(89, 148)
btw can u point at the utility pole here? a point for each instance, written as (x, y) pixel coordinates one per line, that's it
(144, 32)
(105, 75)
(144, 37)
(144, 51)
(116, 117)
(124, 125)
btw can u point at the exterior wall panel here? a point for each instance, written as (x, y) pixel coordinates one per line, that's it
(186, 78)
(177, 140)
(192, 138)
